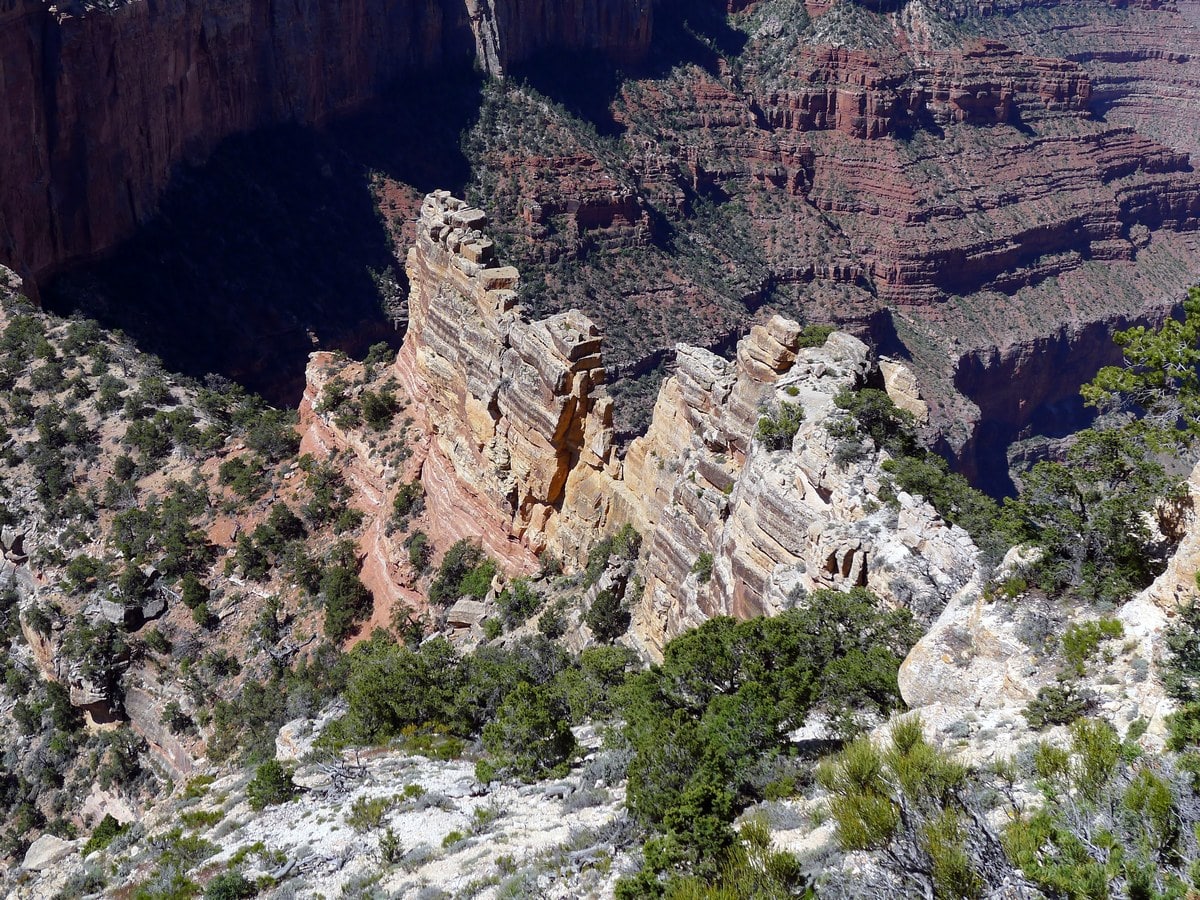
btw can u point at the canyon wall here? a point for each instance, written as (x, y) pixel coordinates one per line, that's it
(520, 455)
(101, 104)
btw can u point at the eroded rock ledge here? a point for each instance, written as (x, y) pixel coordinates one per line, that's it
(521, 455)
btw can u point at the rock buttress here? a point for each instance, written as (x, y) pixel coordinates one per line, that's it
(520, 452)
(777, 524)
(520, 424)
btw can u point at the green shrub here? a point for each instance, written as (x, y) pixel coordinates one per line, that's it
(367, 814)
(465, 570)
(418, 551)
(1181, 667)
(244, 477)
(702, 568)
(715, 714)
(230, 886)
(157, 641)
(103, 835)
(1183, 727)
(531, 734)
(625, 544)
(347, 602)
(201, 818)
(378, 409)
(272, 784)
(198, 787)
(1056, 705)
(1081, 640)
(775, 432)
(379, 354)
(517, 602)
(408, 500)
(608, 617)
(553, 622)
(907, 799)
(815, 335)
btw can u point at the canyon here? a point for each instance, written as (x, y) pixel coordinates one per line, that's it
(105, 101)
(957, 183)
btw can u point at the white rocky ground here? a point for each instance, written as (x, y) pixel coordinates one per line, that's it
(554, 839)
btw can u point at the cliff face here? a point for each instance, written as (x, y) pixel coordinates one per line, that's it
(776, 524)
(520, 453)
(508, 31)
(1148, 78)
(101, 105)
(517, 409)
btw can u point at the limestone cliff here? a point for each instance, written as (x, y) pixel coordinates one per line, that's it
(520, 453)
(776, 523)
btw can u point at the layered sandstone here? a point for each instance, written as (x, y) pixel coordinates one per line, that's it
(518, 416)
(520, 453)
(102, 104)
(777, 524)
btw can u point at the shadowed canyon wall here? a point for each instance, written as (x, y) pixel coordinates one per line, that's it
(101, 104)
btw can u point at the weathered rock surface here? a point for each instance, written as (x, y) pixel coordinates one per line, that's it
(986, 657)
(46, 851)
(520, 452)
(519, 420)
(777, 524)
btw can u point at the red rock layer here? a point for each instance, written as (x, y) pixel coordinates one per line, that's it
(101, 105)
(1144, 65)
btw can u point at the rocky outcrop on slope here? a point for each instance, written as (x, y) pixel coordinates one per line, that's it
(520, 451)
(562, 839)
(519, 420)
(873, 95)
(102, 104)
(774, 524)
(986, 657)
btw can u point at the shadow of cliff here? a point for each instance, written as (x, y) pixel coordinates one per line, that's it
(275, 247)
(695, 32)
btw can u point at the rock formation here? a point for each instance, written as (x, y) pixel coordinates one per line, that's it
(1149, 78)
(923, 178)
(101, 103)
(987, 656)
(776, 524)
(519, 420)
(520, 453)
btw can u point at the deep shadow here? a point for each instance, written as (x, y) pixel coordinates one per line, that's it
(586, 83)
(274, 247)
(413, 133)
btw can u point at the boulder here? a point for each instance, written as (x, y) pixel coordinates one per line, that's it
(46, 851)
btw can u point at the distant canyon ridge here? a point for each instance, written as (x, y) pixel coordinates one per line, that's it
(987, 187)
